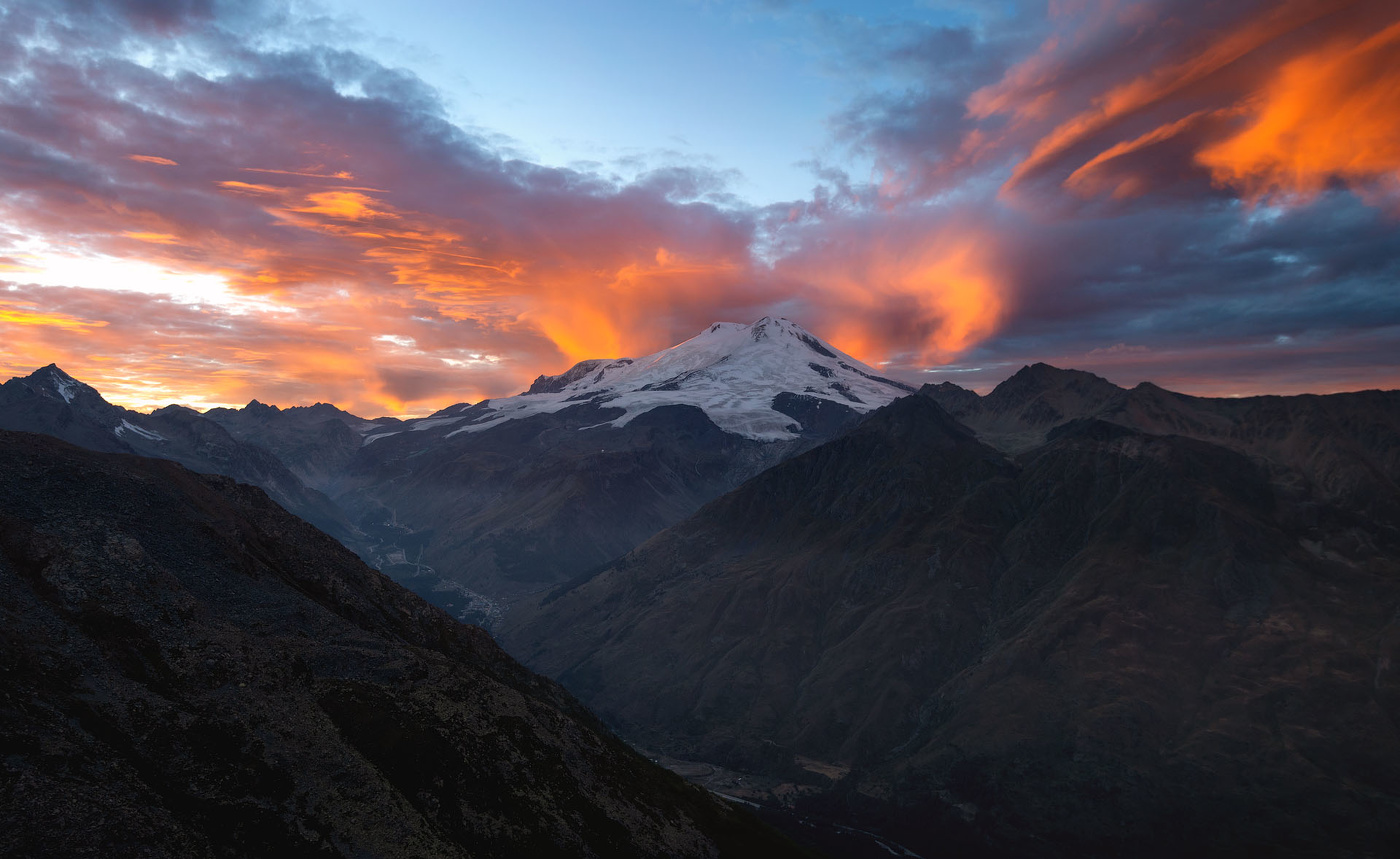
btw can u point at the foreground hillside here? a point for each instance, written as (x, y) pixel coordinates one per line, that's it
(190, 671)
(1114, 643)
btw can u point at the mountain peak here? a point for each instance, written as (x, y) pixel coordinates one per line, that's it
(731, 371)
(1039, 378)
(53, 381)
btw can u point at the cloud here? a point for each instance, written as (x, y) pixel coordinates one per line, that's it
(1284, 97)
(314, 177)
(1194, 180)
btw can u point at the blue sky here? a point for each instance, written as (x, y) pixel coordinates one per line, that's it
(747, 87)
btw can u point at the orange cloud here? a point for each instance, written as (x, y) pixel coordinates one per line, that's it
(249, 187)
(153, 238)
(1331, 114)
(881, 297)
(154, 159)
(344, 205)
(340, 174)
(593, 314)
(1145, 91)
(145, 351)
(1281, 97)
(23, 314)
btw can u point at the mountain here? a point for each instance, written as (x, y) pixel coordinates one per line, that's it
(1343, 447)
(1019, 412)
(481, 503)
(52, 402)
(771, 380)
(190, 671)
(315, 442)
(1114, 642)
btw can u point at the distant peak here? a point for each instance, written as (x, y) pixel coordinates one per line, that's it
(1041, 373)
(724, 326)
(54, 369)
(779, 323)
(52, 380)
(257, 408)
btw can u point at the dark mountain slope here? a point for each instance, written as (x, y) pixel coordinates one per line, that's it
(1119, 644)
(50, 401)
(190, 671)
(768, 616)
(315, 442)
(1214, 675)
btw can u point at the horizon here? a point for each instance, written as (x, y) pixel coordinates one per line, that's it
(396, 211)
(982, 391)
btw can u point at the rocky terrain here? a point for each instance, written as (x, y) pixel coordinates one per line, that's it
(191, 671)
(1113, 642)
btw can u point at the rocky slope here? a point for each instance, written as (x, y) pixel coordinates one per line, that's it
(190, 671)
(1115, 643)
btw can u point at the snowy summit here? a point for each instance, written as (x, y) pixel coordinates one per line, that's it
(731, 371)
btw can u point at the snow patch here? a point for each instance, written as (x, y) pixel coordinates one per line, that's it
(67, 388)
(731, 371)
(429, 423)
(128, 426)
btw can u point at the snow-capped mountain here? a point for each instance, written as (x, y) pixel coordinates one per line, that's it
(762, 381)
(489, 500)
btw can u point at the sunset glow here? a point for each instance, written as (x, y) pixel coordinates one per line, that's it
(1330, 114)
(189, 215)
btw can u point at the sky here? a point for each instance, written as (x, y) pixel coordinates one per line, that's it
(398, 207)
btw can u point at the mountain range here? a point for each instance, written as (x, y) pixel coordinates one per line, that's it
(1062, 619)
(481, 503)
(1094, 638)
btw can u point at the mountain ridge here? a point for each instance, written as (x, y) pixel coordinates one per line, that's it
(54, 403)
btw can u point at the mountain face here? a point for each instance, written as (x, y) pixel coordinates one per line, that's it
(51, 402)
(190, 671)
(1344, 448)
(1115, 642)
(508, 496)
(749, 380)
(314, 442)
